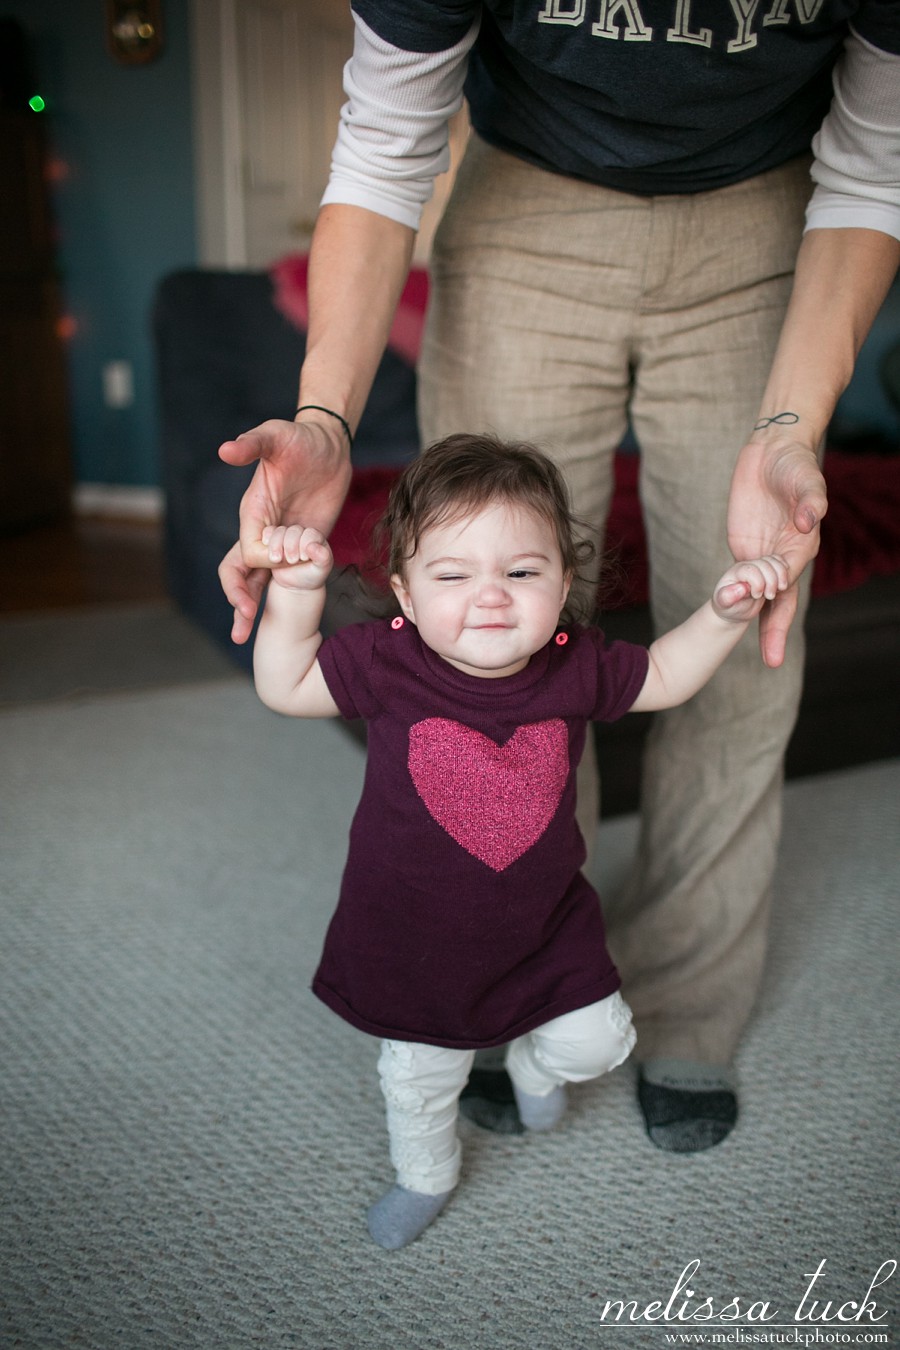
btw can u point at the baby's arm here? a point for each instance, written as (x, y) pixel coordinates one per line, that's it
(287, 675)
(683, 660)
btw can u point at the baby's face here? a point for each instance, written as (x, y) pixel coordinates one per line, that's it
(486, 592)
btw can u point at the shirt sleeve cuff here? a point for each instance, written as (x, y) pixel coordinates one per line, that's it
(344, 192)
(830, 210)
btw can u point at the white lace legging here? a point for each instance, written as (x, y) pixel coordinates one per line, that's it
(422, 1083)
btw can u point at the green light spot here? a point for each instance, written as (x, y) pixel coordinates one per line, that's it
(36, 103)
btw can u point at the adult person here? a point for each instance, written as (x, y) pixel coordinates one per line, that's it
(625, 238)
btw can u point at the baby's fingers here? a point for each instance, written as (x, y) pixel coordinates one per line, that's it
(304, 544)
(319, 553)
(774, 574)
(273, 542)
(292, 544)
(732, 594)
(296, 544)
(764, 577)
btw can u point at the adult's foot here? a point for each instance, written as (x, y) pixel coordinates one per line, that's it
(488, 1100)
(687, 1106)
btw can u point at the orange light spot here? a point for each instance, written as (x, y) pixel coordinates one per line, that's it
(66, 327)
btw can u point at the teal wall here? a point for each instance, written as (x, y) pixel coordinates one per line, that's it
(123, 203)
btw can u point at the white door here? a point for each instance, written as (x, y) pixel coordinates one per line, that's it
(268, 93)
(291, 54)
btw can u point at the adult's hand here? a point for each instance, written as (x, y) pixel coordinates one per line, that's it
(777, 502)
(778, 493)
(302, 476)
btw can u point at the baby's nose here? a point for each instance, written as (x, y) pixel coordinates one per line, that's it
(492, 593)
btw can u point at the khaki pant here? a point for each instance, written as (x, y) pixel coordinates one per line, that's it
(559, 310)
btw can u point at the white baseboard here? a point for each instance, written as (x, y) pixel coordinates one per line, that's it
(118, 502)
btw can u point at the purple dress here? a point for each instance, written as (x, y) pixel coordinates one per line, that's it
(464, 919)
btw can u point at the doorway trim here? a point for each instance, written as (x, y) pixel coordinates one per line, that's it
(218, 140)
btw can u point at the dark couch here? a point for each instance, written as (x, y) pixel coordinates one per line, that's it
(227, 360)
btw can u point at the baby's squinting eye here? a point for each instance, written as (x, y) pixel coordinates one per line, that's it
(522, 573)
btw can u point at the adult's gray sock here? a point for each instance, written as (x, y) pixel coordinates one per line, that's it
(687, 1106)
(488, 1100)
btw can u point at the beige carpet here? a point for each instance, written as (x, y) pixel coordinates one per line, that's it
(188, 1139)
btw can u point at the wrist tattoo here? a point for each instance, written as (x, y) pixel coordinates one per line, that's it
(782, 419)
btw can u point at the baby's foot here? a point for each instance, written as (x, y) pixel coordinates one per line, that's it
(541, 1113)
(401, 1215)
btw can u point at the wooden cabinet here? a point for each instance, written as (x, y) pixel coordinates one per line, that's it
(35, 457)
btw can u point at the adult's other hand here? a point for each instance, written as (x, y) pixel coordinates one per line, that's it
(777, 502)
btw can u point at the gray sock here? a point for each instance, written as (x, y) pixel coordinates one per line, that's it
(541, 1113)
(401, 1215)
(687, 1106)
(488, 1100)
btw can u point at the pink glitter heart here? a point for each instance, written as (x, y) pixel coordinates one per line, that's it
(494, 800)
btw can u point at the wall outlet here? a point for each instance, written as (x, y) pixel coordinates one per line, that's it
(118, 384)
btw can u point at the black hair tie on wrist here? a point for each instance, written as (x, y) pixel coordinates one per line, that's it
(317, 407)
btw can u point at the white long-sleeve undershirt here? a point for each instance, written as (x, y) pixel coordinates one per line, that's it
(393, 136)
(857, 150)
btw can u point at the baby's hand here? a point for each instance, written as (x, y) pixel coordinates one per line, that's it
(300, 556)
(741, 593)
